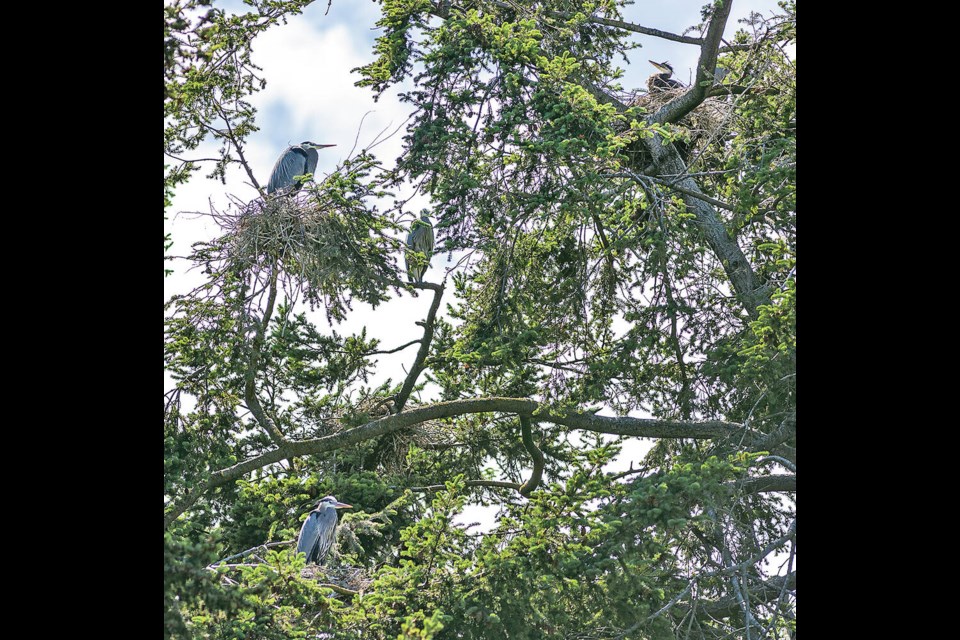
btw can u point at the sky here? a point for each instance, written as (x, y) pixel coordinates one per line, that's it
(310, 95)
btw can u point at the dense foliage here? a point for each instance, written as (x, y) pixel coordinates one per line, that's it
(629, 252)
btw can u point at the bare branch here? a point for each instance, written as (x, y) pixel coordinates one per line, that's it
(733, 90)
(236, 145)
(538, 461)
(400, 348)
(246, 553)
(249, 387)
(418, 363)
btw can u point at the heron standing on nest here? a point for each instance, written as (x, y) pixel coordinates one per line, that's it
(317, 533)
(662, 81)
(296, 160)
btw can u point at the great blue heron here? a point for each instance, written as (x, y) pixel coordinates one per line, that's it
(317, 533)
(296, 160)
(662, 81)
(420, 239)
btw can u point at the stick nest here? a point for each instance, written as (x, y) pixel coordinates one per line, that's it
(328, 251)
(702, 124)
(352, 578)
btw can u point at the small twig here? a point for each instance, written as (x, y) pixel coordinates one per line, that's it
(239, 148)
(341, 590)
(243, 554)
(400, 348)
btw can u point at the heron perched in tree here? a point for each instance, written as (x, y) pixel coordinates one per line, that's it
(420, 239)
(296, 160)
(662, 81)
(318, 530)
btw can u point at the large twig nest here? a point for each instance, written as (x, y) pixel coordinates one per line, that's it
(701, 125)
(318, 243)
(351, 578)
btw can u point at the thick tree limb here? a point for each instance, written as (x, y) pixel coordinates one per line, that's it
(697, 93)
(624, 426)
(766, 484)
(667, 161)
(538, 461)
(420, 360)
(746, 286)
(784, 431)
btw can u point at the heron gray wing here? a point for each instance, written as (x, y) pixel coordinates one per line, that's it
(312, 159)
(293, 162)
(327, 527)
(309, 532)
(428, 241)
(419, 239)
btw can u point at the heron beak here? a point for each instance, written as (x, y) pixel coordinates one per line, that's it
(324, 146)
(341, 505)
(659, 66)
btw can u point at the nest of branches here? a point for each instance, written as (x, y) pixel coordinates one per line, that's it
(296, 234)
(701, 125)
(349, 578)
(318, 243)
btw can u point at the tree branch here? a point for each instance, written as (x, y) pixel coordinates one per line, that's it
(697, 93)
(246, 553)
(784, 431)
(624, 426)
(733, 90)
(236, 145)
(400, 348)
(249, 387)
(440, 11)
(538, 461)
(767, 484)
(500, 484)
(765, 591)
(418, 363)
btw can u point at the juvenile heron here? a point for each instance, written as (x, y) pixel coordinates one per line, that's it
(420, 239)
(296, 160)
(318, 530)
(662, 81)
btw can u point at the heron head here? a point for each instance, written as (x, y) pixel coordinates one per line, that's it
(664, 67)
(333, 502)
(314, 145)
